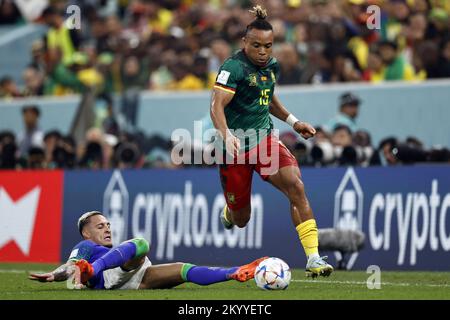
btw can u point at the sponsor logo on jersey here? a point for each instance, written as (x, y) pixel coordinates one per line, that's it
(231, 198)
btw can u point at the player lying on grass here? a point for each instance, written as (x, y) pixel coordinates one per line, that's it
(127, 266)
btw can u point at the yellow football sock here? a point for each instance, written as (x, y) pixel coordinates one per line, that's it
(226, 212)
(309, 237)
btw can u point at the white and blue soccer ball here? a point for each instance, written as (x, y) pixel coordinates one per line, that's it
(273, 274)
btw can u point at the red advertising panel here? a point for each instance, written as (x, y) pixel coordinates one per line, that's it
(30, 216)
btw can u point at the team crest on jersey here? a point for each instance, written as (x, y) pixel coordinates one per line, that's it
(252, 80)
(263, 78)
(231, 197)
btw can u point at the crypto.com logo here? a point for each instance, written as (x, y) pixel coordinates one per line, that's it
(115, 207)
(18, 218)
(30, 216)
(348, 208)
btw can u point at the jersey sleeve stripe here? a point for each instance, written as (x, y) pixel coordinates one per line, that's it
(227, 89)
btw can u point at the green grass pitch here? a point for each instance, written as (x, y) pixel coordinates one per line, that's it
(14, 285)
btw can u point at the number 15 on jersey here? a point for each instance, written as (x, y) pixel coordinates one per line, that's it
(264, 99)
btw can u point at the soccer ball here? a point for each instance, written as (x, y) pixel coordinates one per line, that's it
(272, 274)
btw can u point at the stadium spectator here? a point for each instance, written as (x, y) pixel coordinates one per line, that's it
(184, 79)
(328, 41)
(384, 156)
(127, 150)
(110, 124)
(363, 144)
(201, 71)
(92, 157)
(134, 73)
(342, 141)
(38, 52)
(343, 67)
(375, 68)
(348, 112)
(397, 68)
(445, 59)
(341, 136)
(8, 88)
(398, 12)
(130, 46)
(290, 70)
(36, 159)
(59, 36)
(8, 150)
(64, 154)
(63, 79)
(51, 141)
(220, 51)
(96, 151)
(34, 82)
(9, 13)
(32, 135)
(438, 19)
(428, 51)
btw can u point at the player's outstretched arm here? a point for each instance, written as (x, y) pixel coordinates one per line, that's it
(279, 111)
(62, 273)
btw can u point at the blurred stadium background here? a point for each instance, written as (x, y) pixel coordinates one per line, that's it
(86, 118)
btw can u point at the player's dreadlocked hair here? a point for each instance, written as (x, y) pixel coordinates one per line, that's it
(260, 23)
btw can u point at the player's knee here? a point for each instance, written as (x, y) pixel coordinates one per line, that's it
(299, 185)
(295, 187)
(179, 265)
(142, 246)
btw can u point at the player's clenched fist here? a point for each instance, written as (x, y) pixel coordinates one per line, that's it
(304, 129)
(232, 144)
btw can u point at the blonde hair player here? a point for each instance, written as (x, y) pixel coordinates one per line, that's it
(95, 264)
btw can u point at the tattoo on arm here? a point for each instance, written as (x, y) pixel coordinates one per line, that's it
(63, 272)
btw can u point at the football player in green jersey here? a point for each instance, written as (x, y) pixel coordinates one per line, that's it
(242, 101)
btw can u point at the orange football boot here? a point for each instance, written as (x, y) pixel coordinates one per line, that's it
(247, 271)
(86, 270)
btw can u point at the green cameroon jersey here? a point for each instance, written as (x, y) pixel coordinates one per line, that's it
(248, 112)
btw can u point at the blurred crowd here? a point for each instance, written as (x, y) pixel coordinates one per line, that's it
(125, 46)
(338, 142)
(180, 44)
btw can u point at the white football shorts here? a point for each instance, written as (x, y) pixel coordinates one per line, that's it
(118, 278)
